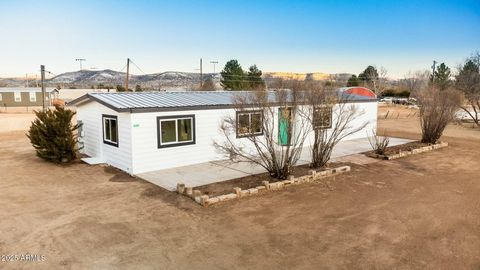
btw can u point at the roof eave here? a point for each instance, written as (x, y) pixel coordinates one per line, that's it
(87, 98)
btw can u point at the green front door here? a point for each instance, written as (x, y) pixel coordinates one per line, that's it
(284, 122)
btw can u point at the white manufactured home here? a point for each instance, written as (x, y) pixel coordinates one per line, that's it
(149, 131)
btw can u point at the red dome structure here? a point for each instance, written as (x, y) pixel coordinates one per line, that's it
(357, 92)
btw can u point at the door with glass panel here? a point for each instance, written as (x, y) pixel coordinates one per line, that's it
(284, 125)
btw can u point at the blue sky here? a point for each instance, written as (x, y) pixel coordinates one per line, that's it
(292, 36)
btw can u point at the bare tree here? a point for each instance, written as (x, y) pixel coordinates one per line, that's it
(285, 119)
(414, 81)
(208, 85)
(437, 109)
(331, 119)
(374, 79)
(382, 80)
(468, 81)
(267, 130)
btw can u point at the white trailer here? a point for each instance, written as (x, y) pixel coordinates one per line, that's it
(149, 131)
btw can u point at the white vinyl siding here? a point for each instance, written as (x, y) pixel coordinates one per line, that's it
(148, 157)
(33, 96)
(17, 96)
(91, 116)
(138, 136)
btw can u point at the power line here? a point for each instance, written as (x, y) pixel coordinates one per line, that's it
(242, 81)
(123, 68)
(80, 60)
(128, 71)
(137, 67)
(214, 63)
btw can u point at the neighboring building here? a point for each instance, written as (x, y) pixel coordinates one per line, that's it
(148, 131)
(25, 97)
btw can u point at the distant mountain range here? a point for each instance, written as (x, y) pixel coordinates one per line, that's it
(160, 81)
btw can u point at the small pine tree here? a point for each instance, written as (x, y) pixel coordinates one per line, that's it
(53, 136)
(138, 88)
(254, 78)
(233, 76)
(442, 77)
(353, 81)
(468, 81)
(120, 88)
(369, 75)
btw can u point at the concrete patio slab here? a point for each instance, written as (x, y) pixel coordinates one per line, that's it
(93, 160)
(222, 170)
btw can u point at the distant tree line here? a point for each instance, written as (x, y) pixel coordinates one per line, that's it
(371, 78)
(121, 88)
(235, 78)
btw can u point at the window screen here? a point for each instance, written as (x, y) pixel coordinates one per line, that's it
(249, 123)
(168, 131)
(322, 117)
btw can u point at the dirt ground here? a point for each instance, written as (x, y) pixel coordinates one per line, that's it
(396, 111)
(15, 121)
(419, 212)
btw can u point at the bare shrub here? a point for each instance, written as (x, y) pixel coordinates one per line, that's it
(378, 143)
(331, 118)
(308, 109)
(437, 109)
(258, 141)
(415, 81)
(325, 140)
(207, 85)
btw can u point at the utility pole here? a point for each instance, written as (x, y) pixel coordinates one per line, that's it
(128, 71)
(433, 74)
(42, 78)
(214, 63)
(201, 73)
(80, 60)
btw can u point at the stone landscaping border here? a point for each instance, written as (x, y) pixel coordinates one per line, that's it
(412, 152)
(205, 200)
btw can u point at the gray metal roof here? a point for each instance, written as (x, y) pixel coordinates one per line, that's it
(166, 101)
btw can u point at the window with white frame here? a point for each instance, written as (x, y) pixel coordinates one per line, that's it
(110, 130)
(322, 117)
(175, 130)
(249, 123)
(17, 96)
(0, 96)
(33, 96)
